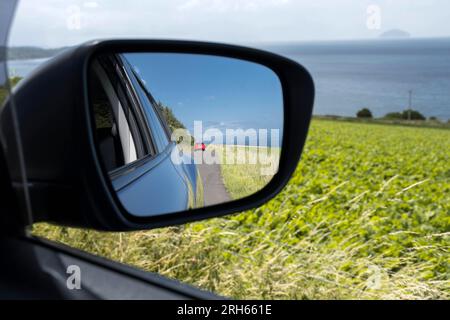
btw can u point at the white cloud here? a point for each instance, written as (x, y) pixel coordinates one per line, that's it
(90, 4)
(45, 22)
(230, 5)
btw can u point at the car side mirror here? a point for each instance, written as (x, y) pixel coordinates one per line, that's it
(136, 134)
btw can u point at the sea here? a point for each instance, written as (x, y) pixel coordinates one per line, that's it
(380, 75)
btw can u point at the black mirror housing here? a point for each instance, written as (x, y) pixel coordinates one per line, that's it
(65, 178)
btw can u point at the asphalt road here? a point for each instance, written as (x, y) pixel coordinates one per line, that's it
(213, 188)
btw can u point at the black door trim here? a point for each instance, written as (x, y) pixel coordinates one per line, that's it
(180, 289)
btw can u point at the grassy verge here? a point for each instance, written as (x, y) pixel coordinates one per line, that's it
(4, 92)
(366, 215)
(256, 168)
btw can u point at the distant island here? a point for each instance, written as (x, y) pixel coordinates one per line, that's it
(395, 34)
(23, 53)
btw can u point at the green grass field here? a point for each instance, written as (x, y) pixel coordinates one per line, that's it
(366, 216)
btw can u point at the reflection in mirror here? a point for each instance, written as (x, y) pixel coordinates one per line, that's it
(181, 131)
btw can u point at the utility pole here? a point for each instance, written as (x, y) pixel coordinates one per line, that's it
(410, 104)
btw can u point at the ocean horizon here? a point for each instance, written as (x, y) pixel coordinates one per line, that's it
(376, 74)
(351, 75)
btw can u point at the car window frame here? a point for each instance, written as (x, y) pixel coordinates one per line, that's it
(118, 115)
(110, 67)
(152, 100)
(130, 97)
(131, 74)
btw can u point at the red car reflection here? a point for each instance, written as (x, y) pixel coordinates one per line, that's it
(199, 146)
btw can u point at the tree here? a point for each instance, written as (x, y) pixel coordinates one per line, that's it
(405, 115)
(435, 119)
(394, 116)
(364, 113)
(170, 118)
(413, 115)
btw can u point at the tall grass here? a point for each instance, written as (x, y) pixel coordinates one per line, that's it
(366, 216)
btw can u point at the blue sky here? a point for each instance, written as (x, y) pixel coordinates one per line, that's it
(54, 23)
(221, 92)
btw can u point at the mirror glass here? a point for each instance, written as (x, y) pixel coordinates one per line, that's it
(182, 131)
